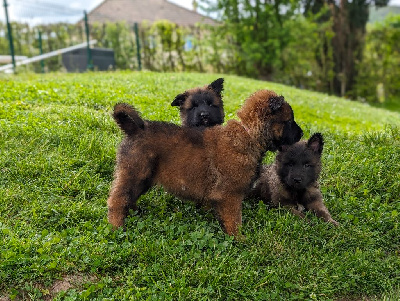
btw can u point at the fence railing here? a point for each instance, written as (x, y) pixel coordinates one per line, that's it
(43, 56)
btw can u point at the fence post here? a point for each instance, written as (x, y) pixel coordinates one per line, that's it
(10, 39)
(89, 51)
(136, 27)
(41, 51)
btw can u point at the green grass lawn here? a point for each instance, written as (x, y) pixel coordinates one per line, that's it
(57, 153)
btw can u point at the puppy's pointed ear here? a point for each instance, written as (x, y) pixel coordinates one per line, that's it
(316, 143)
(217, 86)
(179, 99)
(276, 102)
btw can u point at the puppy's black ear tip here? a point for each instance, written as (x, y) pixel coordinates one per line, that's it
(317, 136)
(316, 143)
(175, 103)
(179, 99)
(276, 102)
(217, 86)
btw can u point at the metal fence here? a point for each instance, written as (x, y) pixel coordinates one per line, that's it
(14, 63)
(159, 46)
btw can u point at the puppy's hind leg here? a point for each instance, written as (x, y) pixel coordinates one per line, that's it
(229, 213)
(129, 184)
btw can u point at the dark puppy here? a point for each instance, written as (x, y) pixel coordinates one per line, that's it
(201, 107)
(292, 180)
(215, 167)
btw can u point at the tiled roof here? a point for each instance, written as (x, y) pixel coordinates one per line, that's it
(133, 11)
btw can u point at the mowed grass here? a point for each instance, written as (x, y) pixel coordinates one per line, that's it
(57, 154)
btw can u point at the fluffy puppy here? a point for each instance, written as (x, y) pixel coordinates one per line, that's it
(214, 167)
(201, 107)
(292, 180)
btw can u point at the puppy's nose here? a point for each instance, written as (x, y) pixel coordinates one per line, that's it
(297, 180)
(204, 114)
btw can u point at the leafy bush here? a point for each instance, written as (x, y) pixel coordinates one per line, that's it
(307, 59)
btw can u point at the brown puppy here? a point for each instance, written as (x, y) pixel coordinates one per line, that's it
(201, 107)
(292, 180)
(214, 167)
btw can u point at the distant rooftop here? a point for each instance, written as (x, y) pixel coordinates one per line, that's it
(133, 11)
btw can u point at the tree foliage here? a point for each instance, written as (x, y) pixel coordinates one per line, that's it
(322, 51)
(307, 59)
(260, 32)
(379, 73)
(273, 40)
(349, 25)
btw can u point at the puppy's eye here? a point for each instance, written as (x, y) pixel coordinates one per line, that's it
(307, 165)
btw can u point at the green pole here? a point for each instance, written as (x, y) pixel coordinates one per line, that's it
(138, 46)
(10, 36)
(41, 51)
(89, 52)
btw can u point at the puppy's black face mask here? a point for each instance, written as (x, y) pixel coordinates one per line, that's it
(299, 165)
(285, 129)
(201, 107)
(202, 111)
(298, 168)
(291, 133)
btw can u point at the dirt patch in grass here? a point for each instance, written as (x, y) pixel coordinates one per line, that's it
(68, 282)
(48, 293)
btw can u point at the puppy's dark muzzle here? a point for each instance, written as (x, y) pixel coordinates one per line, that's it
(204, 115)
(297, 180)
(298, 131)
(292, 133)
(300, 134)
(295, 133)
(204, 118)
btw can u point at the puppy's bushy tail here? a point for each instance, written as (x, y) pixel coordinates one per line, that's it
(128, 119)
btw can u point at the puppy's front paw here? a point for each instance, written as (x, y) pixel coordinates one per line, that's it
(333, 222)
(240, 237)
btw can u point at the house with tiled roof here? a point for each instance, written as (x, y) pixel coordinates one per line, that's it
(137, 11)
